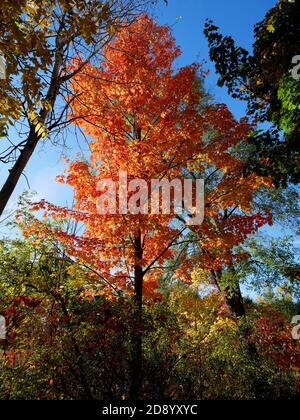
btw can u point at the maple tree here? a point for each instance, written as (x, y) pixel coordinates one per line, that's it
(151, 121)
(140, 301)
(140, 109)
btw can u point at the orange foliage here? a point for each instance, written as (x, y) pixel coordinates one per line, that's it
(144, 118)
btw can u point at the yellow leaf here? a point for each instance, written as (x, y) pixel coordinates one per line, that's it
(38, 127)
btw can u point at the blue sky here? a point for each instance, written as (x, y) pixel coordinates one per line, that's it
(187, 18)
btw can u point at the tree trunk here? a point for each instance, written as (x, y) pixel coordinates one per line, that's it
(233, 295)
(235, 301)
(137, 334)
(17, 170)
